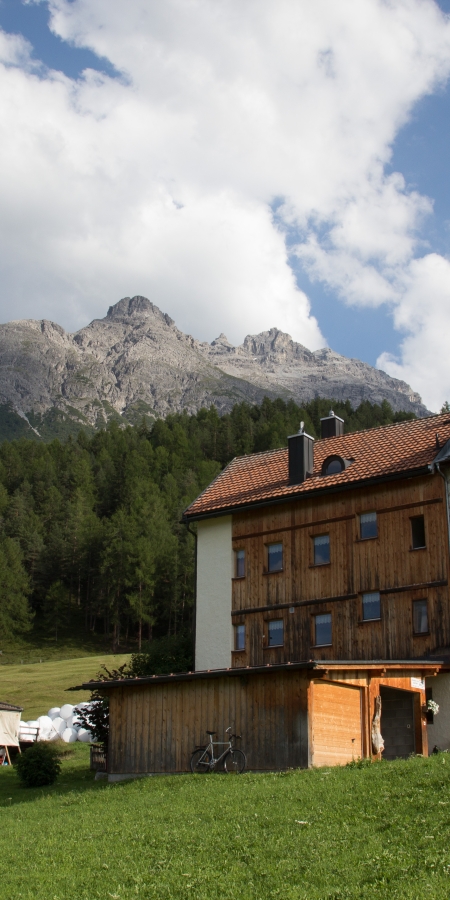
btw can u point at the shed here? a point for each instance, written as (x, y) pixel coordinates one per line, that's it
(290, 715)
(9, 725)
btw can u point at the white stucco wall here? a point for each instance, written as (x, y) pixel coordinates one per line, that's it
(439, 731)
(213, 642)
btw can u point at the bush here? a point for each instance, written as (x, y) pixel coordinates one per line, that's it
(39, 765)
(173, 653)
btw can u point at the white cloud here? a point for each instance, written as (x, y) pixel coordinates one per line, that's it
(423, 312)
(162, 183)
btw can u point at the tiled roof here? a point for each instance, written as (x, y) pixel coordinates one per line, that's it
(375, 453)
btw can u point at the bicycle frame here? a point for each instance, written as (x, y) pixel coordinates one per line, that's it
(210, 750)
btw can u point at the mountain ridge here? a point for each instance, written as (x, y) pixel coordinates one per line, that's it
(135, 361)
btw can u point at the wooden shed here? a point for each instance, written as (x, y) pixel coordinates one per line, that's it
(290, 715)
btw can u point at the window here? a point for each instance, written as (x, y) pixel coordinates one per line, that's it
(368, 527)
(239, 637)
(417, 532)
(274, 557)
(371, 606)
(322, 630)
(333, 465)
(420, 616)
(275, 633)
(239, 563)
(321, 549)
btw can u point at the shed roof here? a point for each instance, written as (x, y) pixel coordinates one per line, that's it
(376, 454)
(9, 707)
(413, 665)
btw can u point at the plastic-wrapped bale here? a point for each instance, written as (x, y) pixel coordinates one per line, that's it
(66, 711)
(69, 735)
(85, 736)
(45, 728)
(73, 721)
(59, 724)
(54, 712)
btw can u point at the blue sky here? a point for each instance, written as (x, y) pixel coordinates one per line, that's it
(420, 152)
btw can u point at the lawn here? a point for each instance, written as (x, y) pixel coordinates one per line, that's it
(370, 833)
(39, 686)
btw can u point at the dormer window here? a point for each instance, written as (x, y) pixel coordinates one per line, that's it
(333, 465)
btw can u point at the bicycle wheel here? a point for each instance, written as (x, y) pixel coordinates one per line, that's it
(235, 762)
(200, 761)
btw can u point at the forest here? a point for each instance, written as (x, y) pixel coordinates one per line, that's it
(91, 540)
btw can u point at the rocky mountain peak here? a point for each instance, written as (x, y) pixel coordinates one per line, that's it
(136, 308)
(136, 362)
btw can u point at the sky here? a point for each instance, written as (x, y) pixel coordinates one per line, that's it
(278, 163)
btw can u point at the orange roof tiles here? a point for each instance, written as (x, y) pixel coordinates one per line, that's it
(376, 453)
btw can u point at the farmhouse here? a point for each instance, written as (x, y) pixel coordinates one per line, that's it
(322, 585)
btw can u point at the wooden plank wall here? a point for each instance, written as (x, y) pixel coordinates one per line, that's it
(155, 728)
(386, 563)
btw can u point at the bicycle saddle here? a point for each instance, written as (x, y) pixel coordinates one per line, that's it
(211, 732)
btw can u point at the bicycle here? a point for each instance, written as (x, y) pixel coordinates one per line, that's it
(203, 759)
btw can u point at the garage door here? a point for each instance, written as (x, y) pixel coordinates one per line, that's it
(336, 724)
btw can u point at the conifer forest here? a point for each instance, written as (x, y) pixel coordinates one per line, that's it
(91, 539)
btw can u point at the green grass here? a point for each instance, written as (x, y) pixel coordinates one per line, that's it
(368, 833)
(37, 687)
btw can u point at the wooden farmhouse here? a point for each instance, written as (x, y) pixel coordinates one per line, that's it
(322, 586)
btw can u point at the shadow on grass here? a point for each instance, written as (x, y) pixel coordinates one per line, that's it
(75, 777)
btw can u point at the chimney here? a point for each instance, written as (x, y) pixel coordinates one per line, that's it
(331, 426)
(301, 455)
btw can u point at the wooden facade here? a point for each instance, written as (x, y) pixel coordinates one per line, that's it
(387, 564)
(288, 716)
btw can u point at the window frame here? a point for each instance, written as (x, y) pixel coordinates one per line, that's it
(315, 617)
(270, 571)
(373, 618)
(239, 628)
(420, 633)
(268, 623)
(314, 538)
(419, 546)
(236, 557)
(369, 537)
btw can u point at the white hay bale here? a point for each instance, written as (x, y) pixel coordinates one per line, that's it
(73, 721)
(53, 712)
(69, 735)
(85, 736)
(33, 723)
(59, 724)
(66, 711)
(45, 727)
(54, 735)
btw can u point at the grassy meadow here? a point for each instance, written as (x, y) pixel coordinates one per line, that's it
(371, 833)
(38, 686)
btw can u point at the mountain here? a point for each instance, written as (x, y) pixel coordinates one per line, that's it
(136, 362)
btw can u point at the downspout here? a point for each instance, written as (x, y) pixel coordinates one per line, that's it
(447, 499)
(195, 536)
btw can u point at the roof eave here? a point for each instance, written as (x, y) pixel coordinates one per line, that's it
(321, 666)
(287, 498)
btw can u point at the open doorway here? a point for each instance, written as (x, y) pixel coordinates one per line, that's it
(397, 722)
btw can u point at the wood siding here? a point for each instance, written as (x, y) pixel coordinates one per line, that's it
(386, 564)
(155, 728)
(336, 723)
